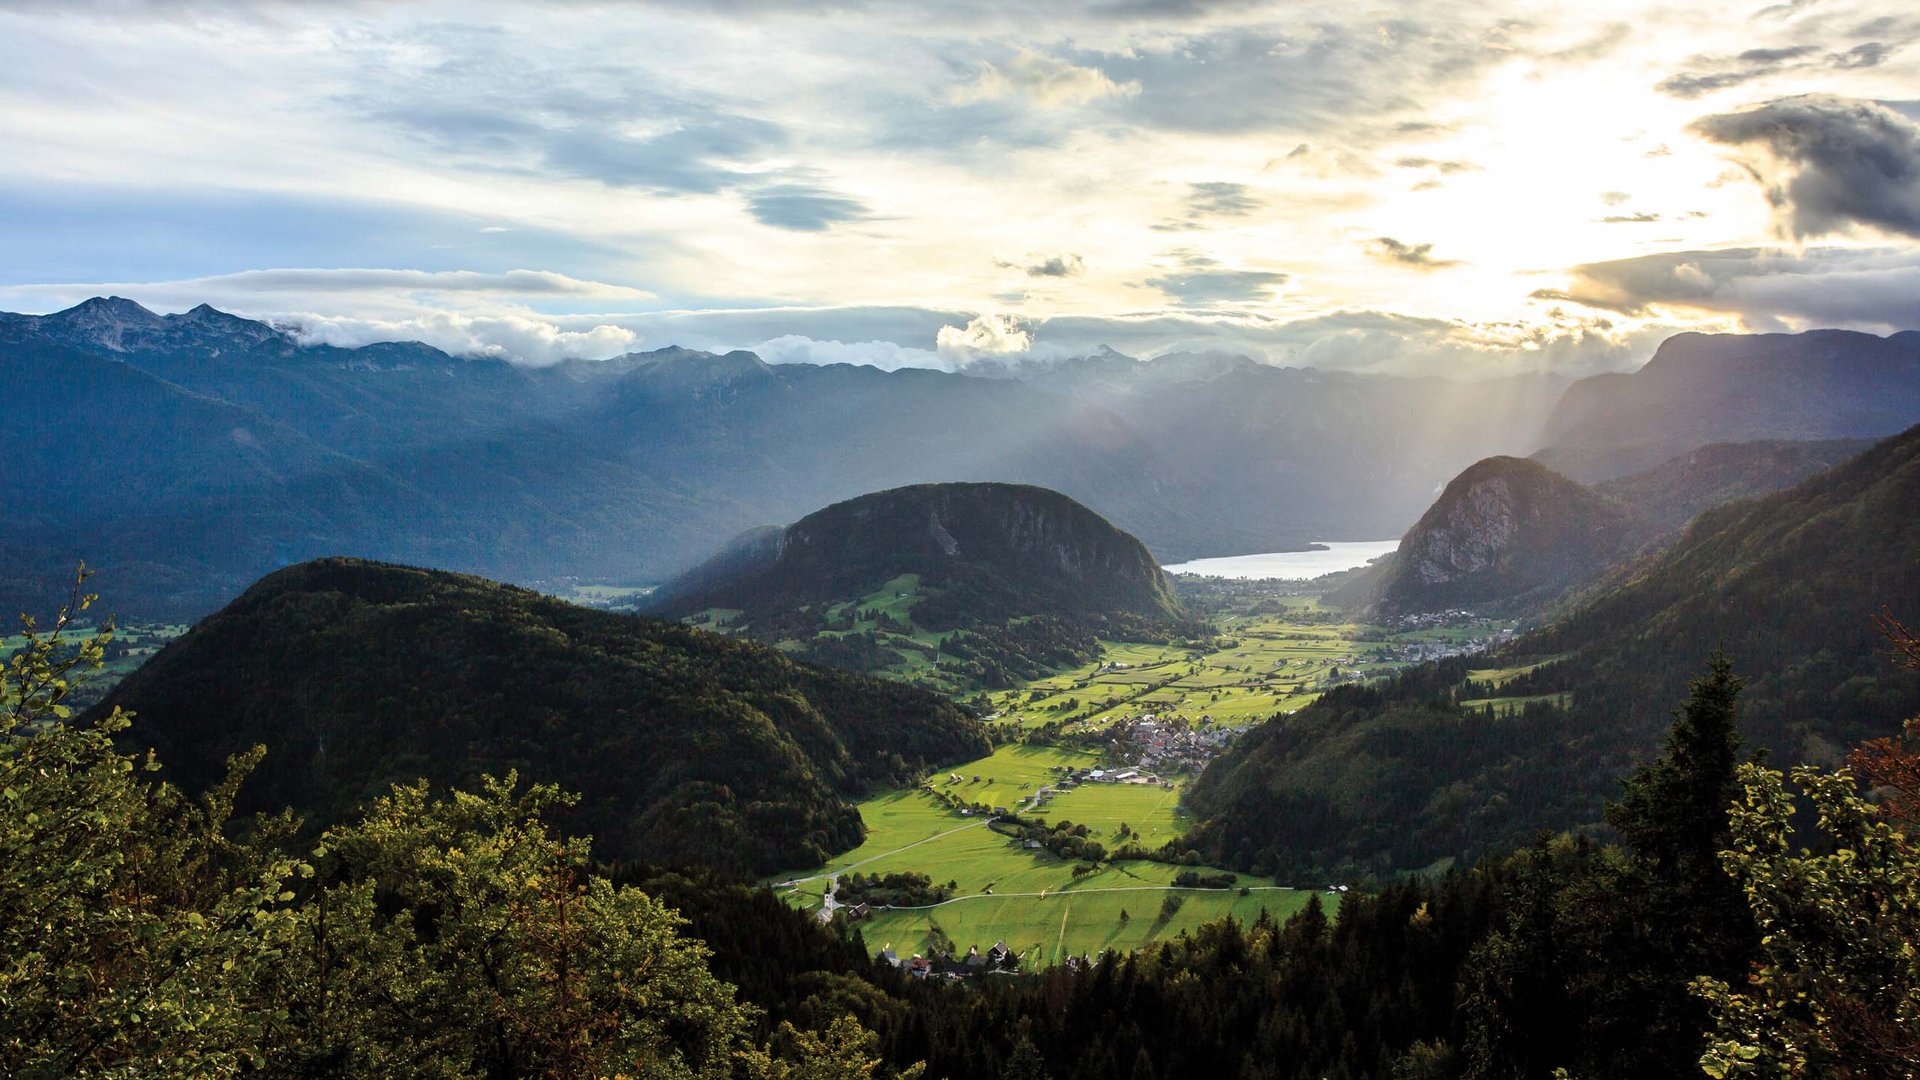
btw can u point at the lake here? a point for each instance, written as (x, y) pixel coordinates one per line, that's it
(1290, 565)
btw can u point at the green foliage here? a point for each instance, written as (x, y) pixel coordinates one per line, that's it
(1836, 991)
(132, 930)
(436, 938)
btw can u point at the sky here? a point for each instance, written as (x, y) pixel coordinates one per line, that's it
(1465, 189)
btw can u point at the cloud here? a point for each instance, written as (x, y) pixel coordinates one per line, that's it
(984, 335)
(523, 339)
(1049, 266)
(885, 355)
(1041, 79)
(1222, 199)
(1722, 72)
(251, 289)
(1201, 281)
(1418, 256)
(1439, 165)
(1213, 199)
(1828, 163)
(803, 208)
(1875, 289)
(1639, 217)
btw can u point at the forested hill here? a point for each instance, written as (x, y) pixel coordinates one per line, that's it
(685, 746)
(1436, 764)
(982, 581)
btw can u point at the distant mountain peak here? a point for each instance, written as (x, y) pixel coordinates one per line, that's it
(106, 320)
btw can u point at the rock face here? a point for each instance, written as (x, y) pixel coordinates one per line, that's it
(1713, 388)
(986, 552)
(1505, 535)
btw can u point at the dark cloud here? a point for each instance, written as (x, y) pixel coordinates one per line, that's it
(1643, 217)
(1720, 72)
(1832, 163)
(1213, 199)
(1769, 289)
(803, 208)
(1056, 266)
(1200, 280)
(1418, 256)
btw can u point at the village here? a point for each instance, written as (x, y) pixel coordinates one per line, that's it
(1169, 743)
(998, 960)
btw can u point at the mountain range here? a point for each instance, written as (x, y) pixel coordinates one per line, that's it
(186, 455)
(1700, 389)
(193, 453)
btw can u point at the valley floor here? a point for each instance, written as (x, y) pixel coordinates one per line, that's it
(1266, 663)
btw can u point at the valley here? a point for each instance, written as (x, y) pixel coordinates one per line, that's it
(1157, 712)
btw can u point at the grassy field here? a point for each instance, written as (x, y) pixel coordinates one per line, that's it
(1074, 921)
(1273, 665)
(1028, 897)
(1498, 677)
(132, 644)
(1507, 706)
(1266, 662)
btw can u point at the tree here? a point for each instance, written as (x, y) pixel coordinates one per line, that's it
(1025, 1063)
(1836, 992)
(132, 929)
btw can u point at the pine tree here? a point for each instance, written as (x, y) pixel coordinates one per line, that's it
(1025, 1063)
(1673, 810)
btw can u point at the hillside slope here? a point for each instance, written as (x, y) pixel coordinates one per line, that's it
(685, 746)
(988, 576)
(1440, 764)
(1671, 494)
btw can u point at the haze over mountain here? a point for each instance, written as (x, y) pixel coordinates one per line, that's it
(685, 746)
(1714, 388)
(253, 451)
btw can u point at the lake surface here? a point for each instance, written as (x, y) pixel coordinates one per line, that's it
(1291, 565)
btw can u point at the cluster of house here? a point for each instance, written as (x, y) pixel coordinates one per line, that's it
(1167, 747)
(1415, 652)
(1071, 778)
(998, 960)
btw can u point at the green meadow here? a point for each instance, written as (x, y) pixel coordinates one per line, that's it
(1270, 665)
(1074, 921)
